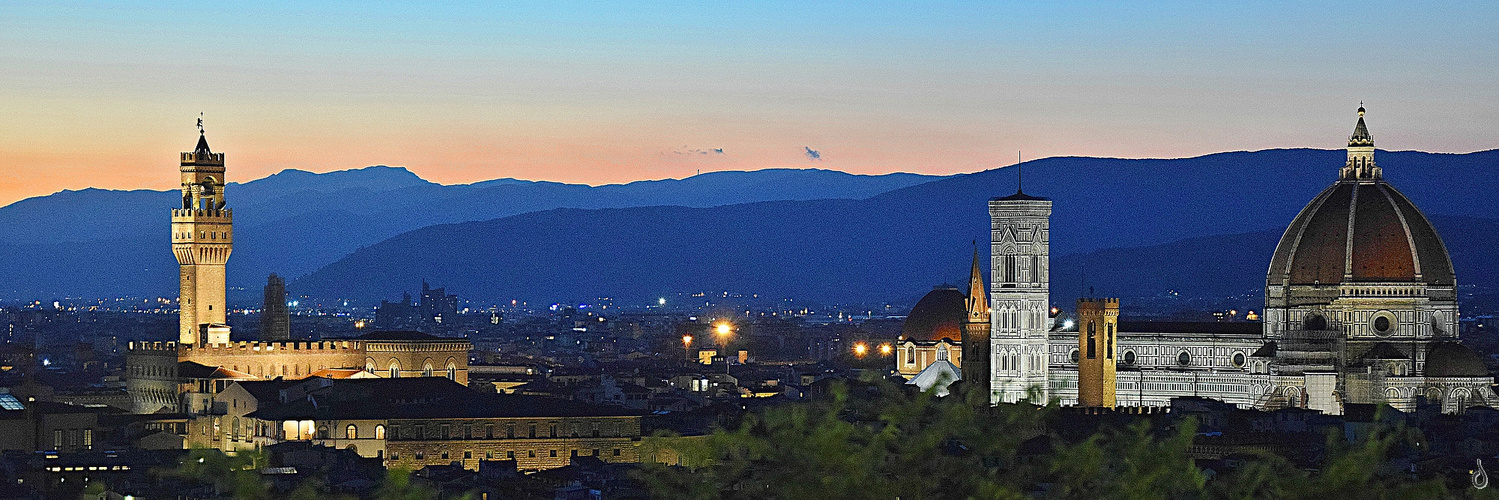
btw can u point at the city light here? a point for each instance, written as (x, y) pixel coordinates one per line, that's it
(886, 349)
(723, 328)
(860, 348)
(686, 340)
(661, 301)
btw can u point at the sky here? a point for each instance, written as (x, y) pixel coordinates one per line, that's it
(105, 94)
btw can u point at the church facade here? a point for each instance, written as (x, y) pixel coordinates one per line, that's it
(1360, 308)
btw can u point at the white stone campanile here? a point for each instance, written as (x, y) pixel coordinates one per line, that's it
(1019, 298)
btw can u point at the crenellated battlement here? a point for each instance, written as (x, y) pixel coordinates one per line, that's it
(201, 214)
(198, 159)
(147, 347)
(1098, 303)
(243, 347)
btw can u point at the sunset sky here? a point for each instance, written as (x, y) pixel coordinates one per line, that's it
(105, 94)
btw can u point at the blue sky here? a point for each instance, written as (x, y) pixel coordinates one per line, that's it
(104, 94)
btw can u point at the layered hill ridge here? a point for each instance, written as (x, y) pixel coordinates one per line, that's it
(102, 243)
(901, 236)
(1167, 219)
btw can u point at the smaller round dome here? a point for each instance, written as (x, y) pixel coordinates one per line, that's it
(938, 315)
(1451, 359)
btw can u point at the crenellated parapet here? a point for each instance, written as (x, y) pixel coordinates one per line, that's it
(202, 158)
(244, 347)
(201, 214)
(143, 347)
(1101, 303)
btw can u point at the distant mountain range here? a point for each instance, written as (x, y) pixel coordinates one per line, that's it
(1202, 226)
(102, 243)
(810, 234)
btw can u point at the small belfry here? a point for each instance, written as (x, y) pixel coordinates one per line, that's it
(202, 238)
(1098, 324)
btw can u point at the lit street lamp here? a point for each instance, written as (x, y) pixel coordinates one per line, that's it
(687, 346)
(860, 348)
(723, 329)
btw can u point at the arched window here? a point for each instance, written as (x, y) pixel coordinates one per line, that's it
(379, 432)
(1092, 340)
(1108, 349)
(452, 372)
(395, 369)
(351, 432)
(911, 355)
(427, 368)
(1314, 321)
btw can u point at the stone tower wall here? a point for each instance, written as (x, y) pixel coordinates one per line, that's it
(1098, 351)
(1019, 270)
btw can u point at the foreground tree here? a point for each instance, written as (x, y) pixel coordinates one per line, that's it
(875, 439)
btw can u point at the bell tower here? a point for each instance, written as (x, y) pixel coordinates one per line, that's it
(202, 237)
(1019, 285)
(1097, 323)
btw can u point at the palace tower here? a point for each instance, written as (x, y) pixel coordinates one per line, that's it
(202, 238)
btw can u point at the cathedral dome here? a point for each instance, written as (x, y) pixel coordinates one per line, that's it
(938, 315)
(1360, 229)
(1451, 359)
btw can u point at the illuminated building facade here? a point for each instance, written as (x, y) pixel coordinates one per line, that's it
(202, 238)
(414, 422)
(1360, 308)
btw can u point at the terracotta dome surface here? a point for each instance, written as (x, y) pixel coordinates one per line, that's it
(938, 315)
(1360, 232)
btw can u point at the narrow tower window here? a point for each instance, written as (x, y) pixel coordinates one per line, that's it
(1092, 340)
(1108, 351)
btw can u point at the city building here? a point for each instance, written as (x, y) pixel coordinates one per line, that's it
(275, 318)
(202, 237)
(411, 423)
(1360, 308)
(437, 305)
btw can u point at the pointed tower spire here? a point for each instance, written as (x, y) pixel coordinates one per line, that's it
(1019, 174)
(202, 146)
(1361, 135)
(1360, 164)
(978, 297)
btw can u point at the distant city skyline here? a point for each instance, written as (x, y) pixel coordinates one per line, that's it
(609, 94)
